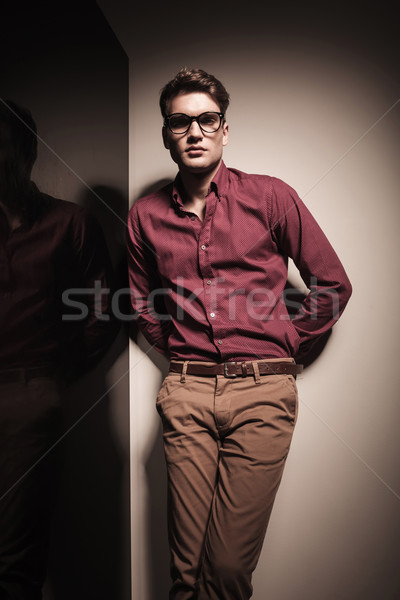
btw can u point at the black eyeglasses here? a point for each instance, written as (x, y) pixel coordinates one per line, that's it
(209, 122)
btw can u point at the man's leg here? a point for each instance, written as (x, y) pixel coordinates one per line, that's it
(191, 448)
(255, 423)
(29, 424)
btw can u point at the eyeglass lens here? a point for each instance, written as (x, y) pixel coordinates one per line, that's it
(209, 122)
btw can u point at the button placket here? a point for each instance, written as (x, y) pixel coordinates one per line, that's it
(204, 262)
(205, 246)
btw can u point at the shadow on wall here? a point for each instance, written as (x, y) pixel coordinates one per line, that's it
(157, 530)
(158, 576)
(110, 208)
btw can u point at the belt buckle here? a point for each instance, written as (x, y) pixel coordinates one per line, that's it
(229, 375)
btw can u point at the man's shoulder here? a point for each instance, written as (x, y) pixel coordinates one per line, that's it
(237, 175)
(56, 206)
(275, 184)
(153, 201)
(257, 181)
(63, 216)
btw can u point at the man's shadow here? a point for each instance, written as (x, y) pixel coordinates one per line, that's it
(156, 524)
(90, 545)
(158, 577)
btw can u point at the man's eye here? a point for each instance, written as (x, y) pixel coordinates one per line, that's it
(208, 119)
(179, 122)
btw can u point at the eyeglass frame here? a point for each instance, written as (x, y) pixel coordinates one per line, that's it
(214, 112)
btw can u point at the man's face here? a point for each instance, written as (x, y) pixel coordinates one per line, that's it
(195, 151)
(6, 159)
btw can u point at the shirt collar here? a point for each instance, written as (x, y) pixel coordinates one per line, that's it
(218, 184)
(220, 180)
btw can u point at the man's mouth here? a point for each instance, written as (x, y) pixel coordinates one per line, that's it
(195, 149)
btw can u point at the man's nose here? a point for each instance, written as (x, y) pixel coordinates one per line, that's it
(194, 130)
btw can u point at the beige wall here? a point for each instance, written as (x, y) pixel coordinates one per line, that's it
(313, 102)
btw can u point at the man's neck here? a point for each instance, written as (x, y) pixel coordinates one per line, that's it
(196, 188)
(13, 219)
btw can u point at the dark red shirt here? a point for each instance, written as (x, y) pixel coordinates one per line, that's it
(214, 290)
(63, 249)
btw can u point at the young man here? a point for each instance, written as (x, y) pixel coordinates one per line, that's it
(208, 267)
(46, 247)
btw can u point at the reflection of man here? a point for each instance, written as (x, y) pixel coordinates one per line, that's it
(218, 241)
(46, 246)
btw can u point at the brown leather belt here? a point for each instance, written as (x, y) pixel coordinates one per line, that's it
(22, 374)
(237, 369)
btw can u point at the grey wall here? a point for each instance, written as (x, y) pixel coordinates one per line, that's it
(63, 61)
(314, 90)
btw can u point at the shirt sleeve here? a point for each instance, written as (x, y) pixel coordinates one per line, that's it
(96, 277)
(299, 236)
(152, 318)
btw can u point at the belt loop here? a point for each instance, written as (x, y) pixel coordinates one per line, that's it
(184, 369)
(256, 371)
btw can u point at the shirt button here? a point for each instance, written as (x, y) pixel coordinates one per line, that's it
(220, 342)
(209, 282)
(212, 315)
(192, 218)
(203, 247)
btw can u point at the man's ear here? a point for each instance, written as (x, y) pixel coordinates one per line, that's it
(225, 134)
(165, 137)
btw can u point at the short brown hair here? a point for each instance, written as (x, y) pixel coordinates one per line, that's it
(194, 80)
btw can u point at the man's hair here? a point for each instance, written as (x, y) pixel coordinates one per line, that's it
(18, 126)
(194, 80)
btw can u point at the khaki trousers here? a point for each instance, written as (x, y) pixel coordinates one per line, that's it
(225, 442)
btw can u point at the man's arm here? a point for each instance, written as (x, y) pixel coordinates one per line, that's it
(299, 236)
(94, 276)
(144, 281)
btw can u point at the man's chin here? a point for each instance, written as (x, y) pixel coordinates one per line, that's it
(198, 166)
